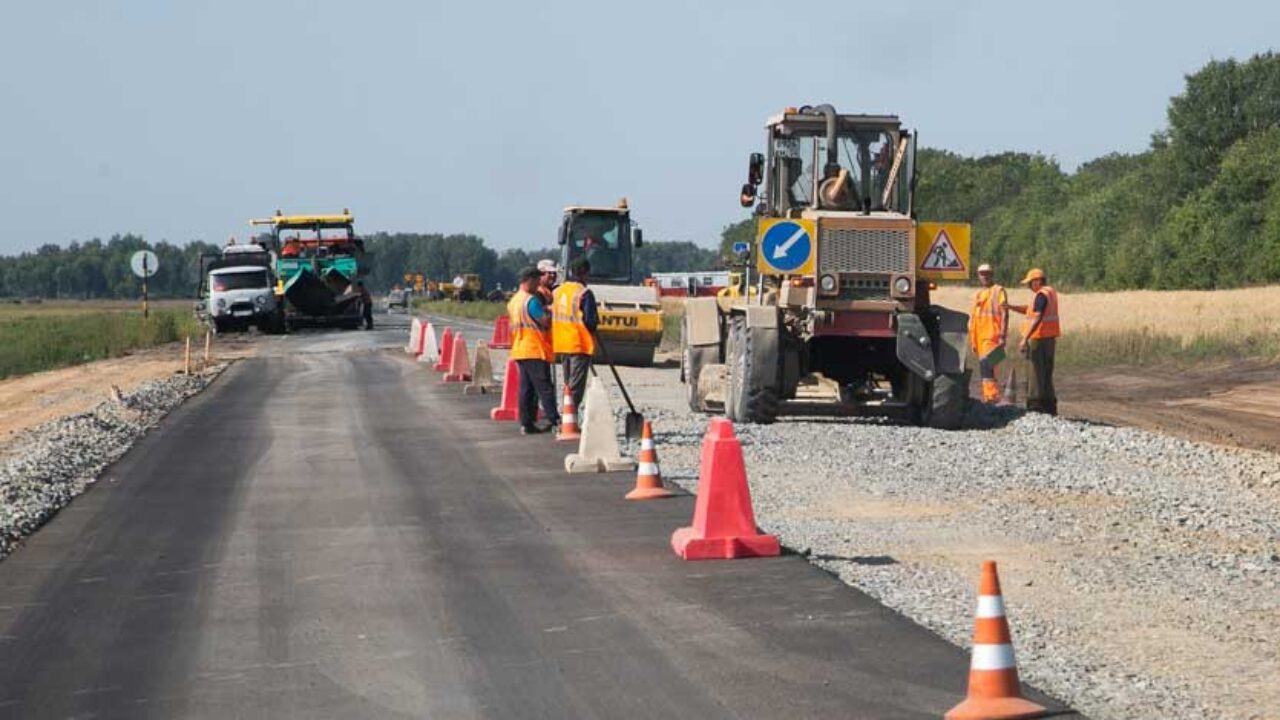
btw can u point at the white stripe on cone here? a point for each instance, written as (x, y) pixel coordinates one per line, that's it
(648, 468)
(646, 444)
(992, 657)
(569, 418)
(990, 606)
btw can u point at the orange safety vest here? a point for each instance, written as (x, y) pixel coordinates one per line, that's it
(528, 341)
(1050, 327)
(569, 333)
(986, 320)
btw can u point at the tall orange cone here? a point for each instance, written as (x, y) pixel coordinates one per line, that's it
(501, 333)
(648, 476)
(994, 690)
(459, 363)
(724, 525)
(568, 419)
(508, 410)
(446, 351)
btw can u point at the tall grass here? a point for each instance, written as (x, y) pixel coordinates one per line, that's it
(42, 341)
(476, 310)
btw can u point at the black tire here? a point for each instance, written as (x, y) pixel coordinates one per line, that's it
(744, 402)
(947, 400)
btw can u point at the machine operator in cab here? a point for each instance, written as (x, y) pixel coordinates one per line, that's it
(532, 351)
(1039, 341)
(573, 327)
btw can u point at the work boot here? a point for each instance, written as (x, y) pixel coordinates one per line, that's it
(531, 430)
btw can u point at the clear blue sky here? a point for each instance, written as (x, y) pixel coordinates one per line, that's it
(180, 120)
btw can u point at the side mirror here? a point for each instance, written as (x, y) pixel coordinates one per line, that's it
(748, 195)
(563, 235)
(755, 169)
(637, 237)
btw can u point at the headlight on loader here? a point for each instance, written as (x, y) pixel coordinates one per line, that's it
(902, 285)
(828, 284)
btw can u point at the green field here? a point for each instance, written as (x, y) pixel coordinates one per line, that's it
(478, 310)
(35, 337)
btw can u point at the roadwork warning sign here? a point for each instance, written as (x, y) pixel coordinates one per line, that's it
(942, 251)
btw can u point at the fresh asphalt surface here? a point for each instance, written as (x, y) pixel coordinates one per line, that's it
(331, 532)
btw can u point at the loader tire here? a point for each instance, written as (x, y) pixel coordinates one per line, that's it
(745, 403)
(948, 399)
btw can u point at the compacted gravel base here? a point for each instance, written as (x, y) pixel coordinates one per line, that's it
(1141, 572)
(46, 467)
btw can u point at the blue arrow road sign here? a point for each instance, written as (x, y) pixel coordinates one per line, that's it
(786, 246)
(740, 248)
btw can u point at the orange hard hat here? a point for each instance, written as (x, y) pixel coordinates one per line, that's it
(1032, 274)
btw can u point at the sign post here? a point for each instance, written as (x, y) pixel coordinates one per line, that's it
(144, 264)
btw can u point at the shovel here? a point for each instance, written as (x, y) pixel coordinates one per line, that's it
(634, 423)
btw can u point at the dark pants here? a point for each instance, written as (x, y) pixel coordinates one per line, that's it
(1040, 394)
(535, 386)
(366, 311)
(577, 367)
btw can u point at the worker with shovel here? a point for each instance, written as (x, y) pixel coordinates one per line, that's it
(988, 330)
(574, 320)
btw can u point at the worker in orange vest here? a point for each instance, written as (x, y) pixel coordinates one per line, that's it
(574, 320)
(1039, 340)
(988, 330)
(531, 350)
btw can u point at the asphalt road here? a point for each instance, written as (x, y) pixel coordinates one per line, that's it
(330, 532)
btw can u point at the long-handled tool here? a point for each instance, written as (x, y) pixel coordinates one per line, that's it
(634, 423)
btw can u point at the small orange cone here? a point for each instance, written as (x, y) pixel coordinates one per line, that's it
(994, 690)
(648, 476)
(568, 419)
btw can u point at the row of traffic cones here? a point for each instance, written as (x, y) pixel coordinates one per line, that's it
(724, 524)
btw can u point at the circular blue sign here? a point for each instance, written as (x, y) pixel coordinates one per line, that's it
(786, 246)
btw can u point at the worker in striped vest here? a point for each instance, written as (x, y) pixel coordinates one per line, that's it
(574, 320)
(532, 353)
(1039, 341)
(988, 330)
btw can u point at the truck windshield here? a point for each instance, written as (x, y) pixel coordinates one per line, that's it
(246, 280)
(868, 156)
(604, 238)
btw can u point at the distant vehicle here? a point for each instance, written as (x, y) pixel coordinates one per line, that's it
(701, 283)
(398, 299)
(237, 290)
(318, 259)
(464, 288)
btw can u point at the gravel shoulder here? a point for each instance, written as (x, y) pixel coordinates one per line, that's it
(1142, 571)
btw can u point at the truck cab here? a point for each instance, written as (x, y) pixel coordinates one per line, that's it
(237, 290)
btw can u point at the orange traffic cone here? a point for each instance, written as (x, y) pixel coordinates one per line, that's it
(568, 419)
(501, 333)
(994, 690)
(724, 525)
(459, 363)
(508, 410)
(446, 351)
(648, 476)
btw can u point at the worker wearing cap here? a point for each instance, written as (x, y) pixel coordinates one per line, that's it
(988, 330)
(547, 270)
(532, 352)
(573, 326)
(1039, 339)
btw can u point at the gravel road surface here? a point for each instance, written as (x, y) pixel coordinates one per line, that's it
(1142, 571)
(329, 531)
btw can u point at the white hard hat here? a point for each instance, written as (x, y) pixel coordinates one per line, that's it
(984, 268)
(547, 266)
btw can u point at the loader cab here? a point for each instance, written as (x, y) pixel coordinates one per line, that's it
(605, 236)
(819, 162)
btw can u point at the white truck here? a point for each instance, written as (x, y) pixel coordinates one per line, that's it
(238, 290)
